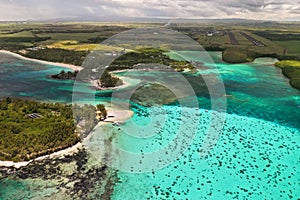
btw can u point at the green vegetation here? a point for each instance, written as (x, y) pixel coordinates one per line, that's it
(214, 43)
(72, 45)
(20, 36)
(275, 36)
(146, 56)
(23, 39)
(29, 129)
(278, 36)
(108, 80)
(289, 39)
(75, 46)
(17, 33)
(52, 40)
(233, 55)
(288, 63)
(292, 47)
(65, 75)
(291, 69)
(101, 108)
(23, 138)
(58, 55)
(97, 40)
(140, 56)
(71, 42)
(12, 46)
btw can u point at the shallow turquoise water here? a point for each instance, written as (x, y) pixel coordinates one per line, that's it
(255, 89)
(256, 157)
(26, 189)
(253, 159)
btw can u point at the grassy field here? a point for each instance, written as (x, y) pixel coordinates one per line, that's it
(71, 42)
(220, 40)
(271, 47)
(223, 42)
(86, 36)
(293, 47)
(71, 45)
(76, 46)
(241, 39)
(69, 36)
(19, 34)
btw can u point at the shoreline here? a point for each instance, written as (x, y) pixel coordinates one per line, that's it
(125, 84)
(116, 117)
(69, 66)
(95, 85)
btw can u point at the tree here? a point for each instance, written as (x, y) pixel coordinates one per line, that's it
(101, 108)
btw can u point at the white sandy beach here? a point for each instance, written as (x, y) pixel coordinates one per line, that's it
(73, 67)
(119, 116)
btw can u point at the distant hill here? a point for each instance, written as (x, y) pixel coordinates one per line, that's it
(165, 20)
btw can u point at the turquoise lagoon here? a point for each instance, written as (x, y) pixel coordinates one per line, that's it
(255, 157)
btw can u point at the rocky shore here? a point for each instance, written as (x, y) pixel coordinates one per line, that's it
(75, 173)
(74, 176)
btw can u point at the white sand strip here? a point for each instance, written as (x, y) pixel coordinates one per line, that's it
(119, 116)
(69, 66)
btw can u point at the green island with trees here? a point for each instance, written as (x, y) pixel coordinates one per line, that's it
(108, 80)
(70, 75)
(291, 69)
(146, 56)
(140, 56)
(29, 129)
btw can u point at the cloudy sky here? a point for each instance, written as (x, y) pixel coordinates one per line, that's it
(119, 9)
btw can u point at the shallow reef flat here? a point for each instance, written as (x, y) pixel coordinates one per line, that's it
(252, 159)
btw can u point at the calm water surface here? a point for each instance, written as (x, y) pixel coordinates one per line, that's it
(256, 156)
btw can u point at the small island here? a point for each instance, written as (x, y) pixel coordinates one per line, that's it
(132, 59)
(107, 80)
(147, 56)
(69, 75)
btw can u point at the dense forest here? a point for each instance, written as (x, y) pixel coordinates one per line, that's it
(29, 129)
(59, 55)
(145, 56)
(23, 136)
(235, 55)
(23, 39)
(97, 40)
(278, 36)
(107, 80)
(141, 56)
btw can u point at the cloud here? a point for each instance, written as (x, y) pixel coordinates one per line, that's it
(118, 9)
